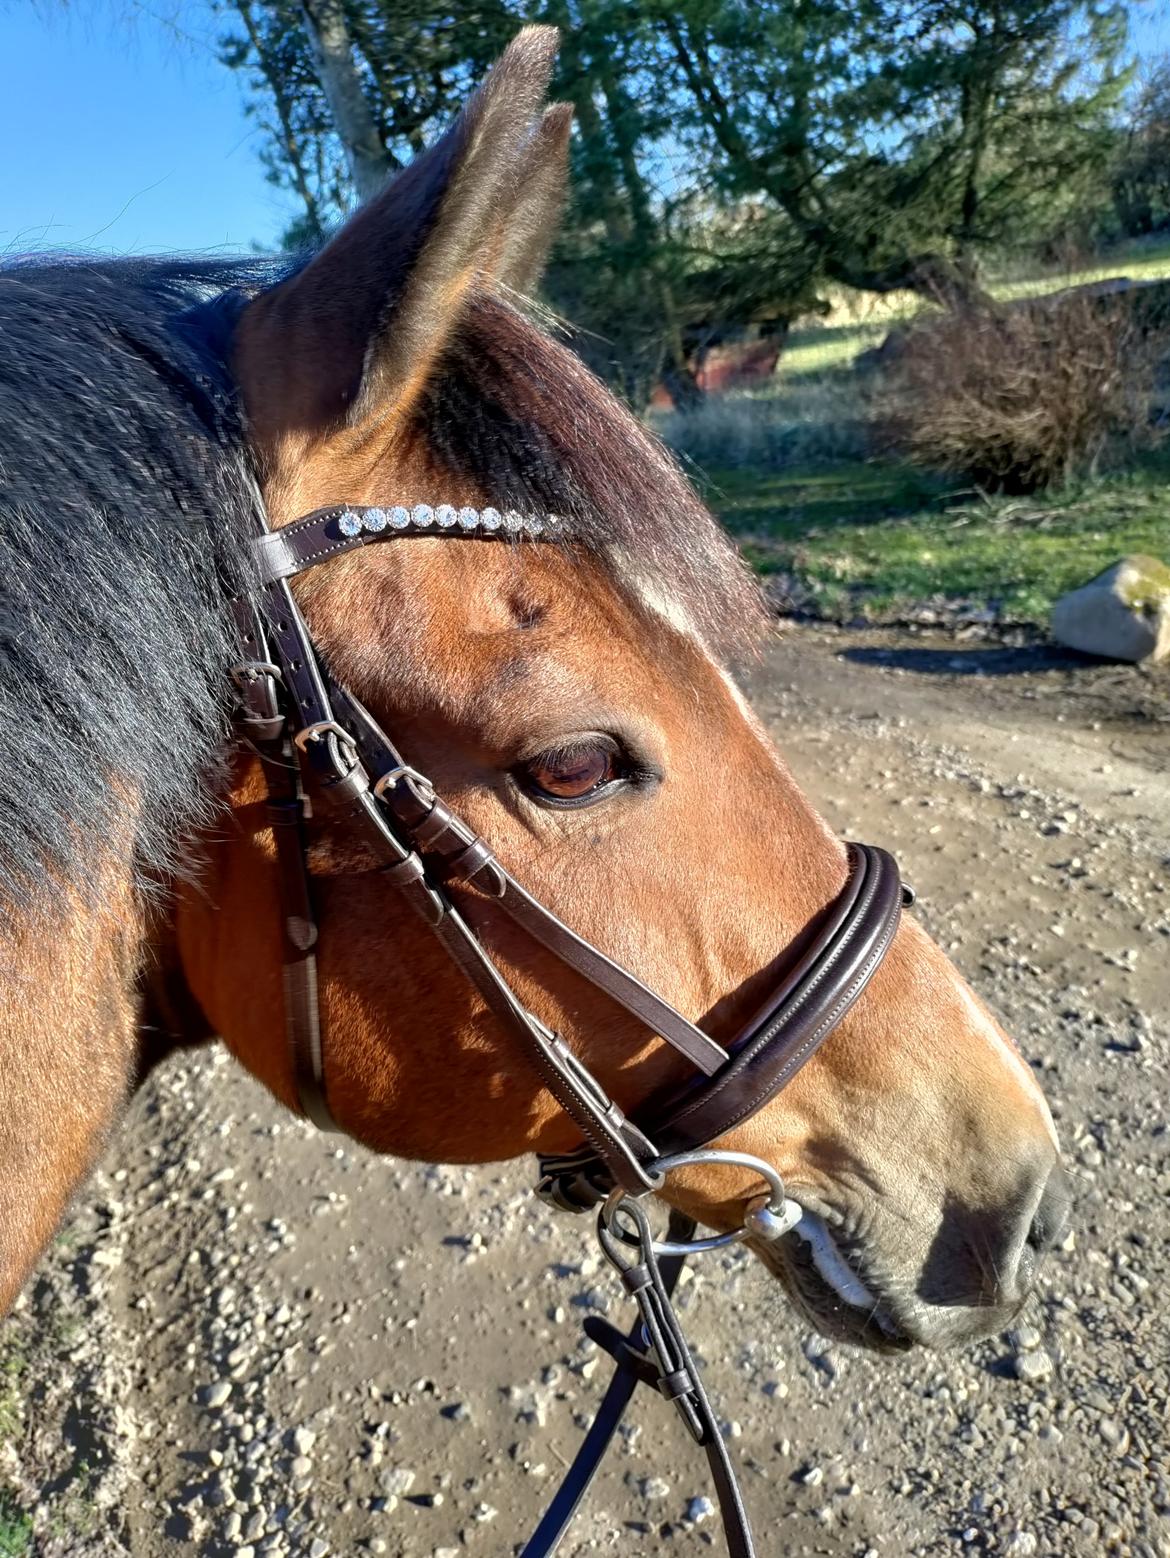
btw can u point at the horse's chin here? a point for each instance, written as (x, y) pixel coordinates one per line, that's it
(831, 1293)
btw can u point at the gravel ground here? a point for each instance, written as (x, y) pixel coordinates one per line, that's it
(251, 1339)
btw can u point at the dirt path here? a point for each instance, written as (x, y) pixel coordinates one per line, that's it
(253, 1339)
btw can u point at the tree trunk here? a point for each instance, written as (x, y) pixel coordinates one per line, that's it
(357, 129)
(281, 102)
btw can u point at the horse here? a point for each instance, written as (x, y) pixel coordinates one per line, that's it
(575, 702)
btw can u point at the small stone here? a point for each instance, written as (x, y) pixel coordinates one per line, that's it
(303, 1440)
(1025, 1338)
(302, 1466)
(813, 1477)
(318, 1547)
(484, 1513)
(215, 1395)
(1021, 1544)
(396, 1481)
(1033, 1366)
(699, 1509)
(654, 1487)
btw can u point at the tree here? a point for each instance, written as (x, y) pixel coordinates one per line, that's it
(900, 141)
(730, 156)
(1141, 171)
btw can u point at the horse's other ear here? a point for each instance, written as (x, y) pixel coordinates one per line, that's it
(532, 225)
(354, 336)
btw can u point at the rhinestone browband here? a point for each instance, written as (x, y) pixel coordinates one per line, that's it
(423, 517)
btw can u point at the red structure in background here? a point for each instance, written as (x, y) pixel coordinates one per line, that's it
(730, 365)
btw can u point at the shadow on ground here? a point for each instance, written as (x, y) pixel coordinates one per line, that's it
(980, 659)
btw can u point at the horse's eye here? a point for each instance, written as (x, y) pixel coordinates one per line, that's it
(576, 773)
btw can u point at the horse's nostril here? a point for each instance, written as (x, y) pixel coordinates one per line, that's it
(1052, 1215)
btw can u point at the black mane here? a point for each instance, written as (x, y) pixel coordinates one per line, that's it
(125, 494)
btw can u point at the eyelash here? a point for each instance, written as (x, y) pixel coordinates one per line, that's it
(628, 773)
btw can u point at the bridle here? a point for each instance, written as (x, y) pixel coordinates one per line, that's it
(301, 722)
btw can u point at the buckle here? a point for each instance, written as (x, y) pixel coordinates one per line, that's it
(418, 784)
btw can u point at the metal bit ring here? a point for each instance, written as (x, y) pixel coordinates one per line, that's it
(768, 1216)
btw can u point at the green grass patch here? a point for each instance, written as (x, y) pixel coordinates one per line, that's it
(874, 539)
(16, 1528)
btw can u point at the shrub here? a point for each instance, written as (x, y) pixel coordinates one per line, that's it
(1025, 396)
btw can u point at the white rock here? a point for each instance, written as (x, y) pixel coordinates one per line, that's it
(1021, 1544)
(1033, 1366)
(1122, 614)
(397, 1481)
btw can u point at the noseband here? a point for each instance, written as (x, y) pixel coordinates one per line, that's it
(300, 722)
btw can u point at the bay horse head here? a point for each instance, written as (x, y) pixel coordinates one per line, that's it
(572, 703)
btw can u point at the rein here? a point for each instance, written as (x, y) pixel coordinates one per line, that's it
(300, 722)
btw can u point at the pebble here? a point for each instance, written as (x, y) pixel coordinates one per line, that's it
(1021, 1544)
(1033, 1366)
(303, 1440)
(215, 1395)
(396, 1481)
(654, 1487)
(699, 1509)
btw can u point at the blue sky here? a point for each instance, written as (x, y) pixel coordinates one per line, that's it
(120, 130)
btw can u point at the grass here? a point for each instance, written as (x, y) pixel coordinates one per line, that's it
(784, 466)
(16, 1528)
(873, 540)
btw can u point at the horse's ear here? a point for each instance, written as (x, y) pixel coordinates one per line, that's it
(355, 334)
(532, 226)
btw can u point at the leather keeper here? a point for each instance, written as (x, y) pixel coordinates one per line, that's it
(406, 872)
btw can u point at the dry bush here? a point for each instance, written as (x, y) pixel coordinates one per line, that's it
(1024, 396)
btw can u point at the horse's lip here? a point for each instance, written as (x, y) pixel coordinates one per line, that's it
(836, 1298)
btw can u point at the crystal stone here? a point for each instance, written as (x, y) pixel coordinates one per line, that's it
(491, 519)
(350, 524)
(513, 521)
(422, 514)
(469, 519)
(374, 520)
(399, 517)
(445, 516)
